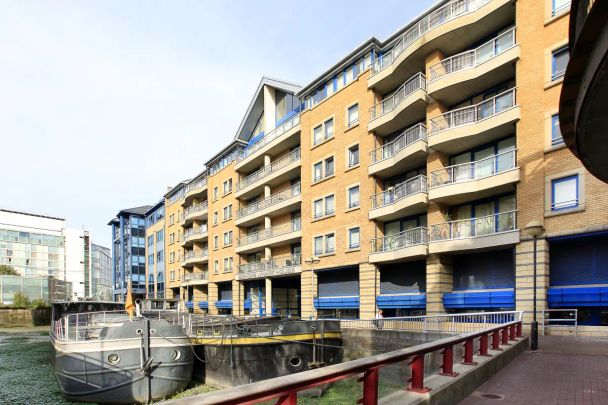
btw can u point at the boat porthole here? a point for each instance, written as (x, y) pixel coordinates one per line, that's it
(295, 362)
(176, 354)
(113, 359)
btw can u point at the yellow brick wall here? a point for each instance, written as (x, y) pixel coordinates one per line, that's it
(174, 210)
(152, 269)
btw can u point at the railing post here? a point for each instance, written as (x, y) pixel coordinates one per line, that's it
(417, 380)
(483, 346)
(512, 333)
(518, 330)
(290, 398)
(447, 366)
(370, 387)
(505, 336)
(468, 353)
(496, 340)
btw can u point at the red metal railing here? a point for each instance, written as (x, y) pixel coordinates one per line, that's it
(285, 389)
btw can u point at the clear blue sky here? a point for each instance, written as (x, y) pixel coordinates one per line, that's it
(106, 103)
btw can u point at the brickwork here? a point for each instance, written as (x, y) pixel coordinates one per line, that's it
(438, 281)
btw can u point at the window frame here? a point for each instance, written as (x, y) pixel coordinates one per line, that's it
(349, 123)
(348, 239)
(556, 181)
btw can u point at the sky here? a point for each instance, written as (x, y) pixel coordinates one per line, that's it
(103, 104)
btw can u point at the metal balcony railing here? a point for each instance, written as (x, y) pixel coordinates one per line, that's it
(194, 208)
(442, 15)
(266, 171)
(279, 197)
(275, 133)
(390, 102)
(406, 138)
(479, 169)
(283, 229)
(401, 240)
(195, 276)
(199, 184)
(475, 57)
(400, 191)
(279, 262)
(195, 254)
(195, 232)
(475, 227)
(472, 114)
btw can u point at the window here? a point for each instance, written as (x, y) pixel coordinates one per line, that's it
(227, 264)
(215, 217)
(329, 128)
(559, 62)
(318, 245)
(353, 156)
(228, 238)
(215, 193)
(227, 212)
(171, 219)
(330, 243)
(353, 197)
(216, 241)
(172, 238)
(151, 240)
(172, 257)
(318, 171)
(556, 133)
(329, 166)
(216, 266)
(324, 206)
(325, 244)
(353, 238)
(151, 259)
(159, 235)
(323, 132)
(564, 193)
(353, 115)
(559, 6)
(317, 135)
(227, 186)
(159, 256)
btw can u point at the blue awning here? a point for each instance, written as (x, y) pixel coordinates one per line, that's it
(337, 303)
(247, 303)
(569, 297)
(411, 301)
(223, 304)
(482, 299)
(189, 304)
(203, 305)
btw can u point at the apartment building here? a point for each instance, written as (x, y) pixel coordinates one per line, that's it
(155, 250)
(402, 180)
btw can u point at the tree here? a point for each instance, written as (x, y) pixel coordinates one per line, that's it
(21, 300)
(6, 270)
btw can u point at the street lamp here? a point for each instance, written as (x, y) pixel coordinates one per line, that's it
(534, 229)
(312, 261)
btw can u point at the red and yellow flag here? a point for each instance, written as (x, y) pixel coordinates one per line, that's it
(129, 304)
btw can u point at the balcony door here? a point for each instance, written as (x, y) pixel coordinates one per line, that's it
(484, 164)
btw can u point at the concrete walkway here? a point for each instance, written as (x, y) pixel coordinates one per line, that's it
(567, 370)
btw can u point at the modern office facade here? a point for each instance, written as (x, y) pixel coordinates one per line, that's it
(402, 179)
(129, 252)
(101, 273)
(155, 250)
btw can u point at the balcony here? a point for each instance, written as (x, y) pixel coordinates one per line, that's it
(284, 137)
(487, 232)
(194, 190)
(468, 73)
(451, 28)
(283, 234)
(471, 181)
(405, 199)
(401, 108)
(196, 278)
(468, 127)
(285, 168)
(194, 235)
(282, 202)
(193, 257)
(195, 212)
(274, 267)
(406, 152)
(403, 246)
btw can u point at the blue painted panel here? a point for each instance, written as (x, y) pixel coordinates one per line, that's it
(203, 305)
(412, 301)
(574, 297)
(337, 303)
(255, 138)
(247, 304)
(484, 299)
(189, 304)
(227, 304)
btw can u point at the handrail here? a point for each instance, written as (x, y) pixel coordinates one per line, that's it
(405, 139)
(401, 240)
(474, 57)
(474, 113)
(490, 166)
(287, 387)
(402, 190)
(198, 254)
(195, 231)
(272, 263)
(193, 186)
(475, 227)
(204, 275)
(269, 137)
(391, 101)
(194, 208)
(273, 199)
(442, 15)
(293, 226)
(267, 170)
